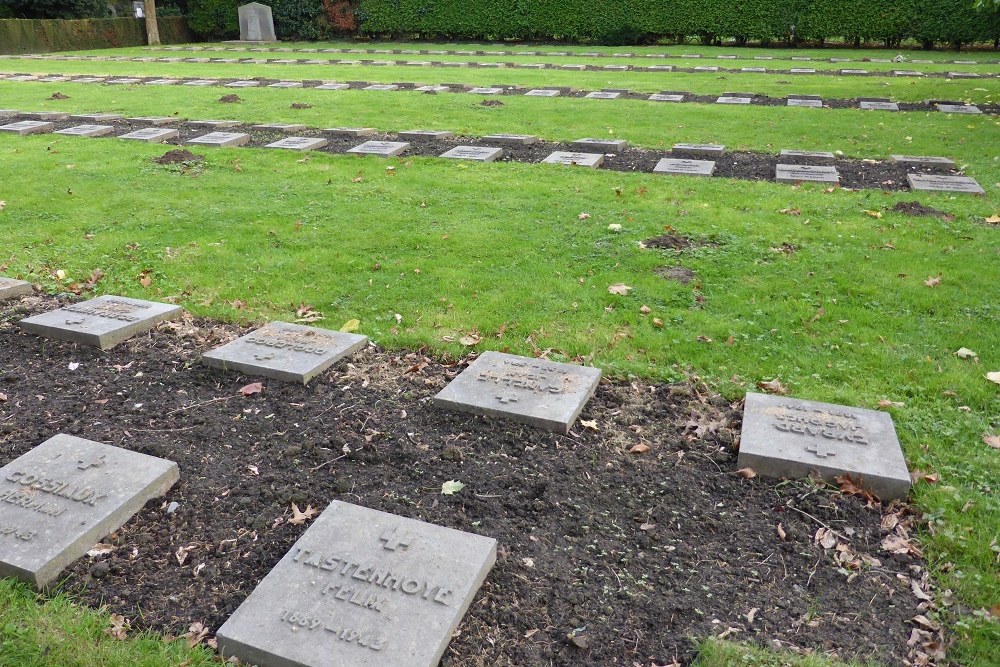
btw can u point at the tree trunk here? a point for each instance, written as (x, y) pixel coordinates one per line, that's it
(152, 30)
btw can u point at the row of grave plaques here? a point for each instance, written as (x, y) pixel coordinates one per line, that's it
(362, 588)
(820, 172)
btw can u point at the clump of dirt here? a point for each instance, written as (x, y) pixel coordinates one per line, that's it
(301, 105)
(669, 241)
(681, 274)
(59, 96)
(491, 103)
(916, 208)
(786, 248)
(177, 156)
(229, 99)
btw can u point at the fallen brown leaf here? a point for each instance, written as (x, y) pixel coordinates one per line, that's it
(773, 387)
(934, 281)
(849, 486)
(885, 404)
(993, 377)
(299, 517)
(641, 448)
(781, 534)
(583, 216)
(119, 627)
(992, 220)
(196, 633)
(619, 288)
(470, 340)
(746, 473)
(991, 440)
(252, 388)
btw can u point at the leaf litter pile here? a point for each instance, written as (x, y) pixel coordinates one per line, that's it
(616, 544)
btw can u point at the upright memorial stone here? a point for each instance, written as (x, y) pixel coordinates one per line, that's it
(541, 393)
(284, 351)
(102, 322)
(64, 495)
(256, 23)
(785, 437)
(361, 588)
(11, 288)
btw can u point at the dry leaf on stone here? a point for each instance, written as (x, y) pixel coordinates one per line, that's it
(991, 440)
(451, 488)
(119, 627)
(619, 288)
(934, 281)
(252, 388)
(299, 517)
(773, 387)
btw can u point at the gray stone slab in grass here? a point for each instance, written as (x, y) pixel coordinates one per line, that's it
(383, 148)
(217, 124)
(280, 127)
(162, 82)
(299, 143)
(88, 130)
(923, 160)
(486, 91)
(686, 167)
(575, 68)
(11, 288)
(819, 157)
(733, 100)
(53, 79)
(606, 145)
(541, 393)
(802, 70)
(706, 69)
(203, 83)
(591, 160)
(432, 89)
(97, 117)
(243, 84)
(54, 116)
(284, 351)
(933, 182)
(879, 106)
(28, 127)
(661, 97)
(853, 72)
(802, 173)
(382, 86)
(361, 588)
(128, 81)
(23, 77)
(708, 150)
(153, 120)
(426, 134)
(101, 322)
(286, 84)
(907, 72)
(785, 437)
(63, 496)
(152, 135)
(959, 108)
(220, 139)
(962, 75)
(543, 92)
(90, 79)
(602, 95)
(333, 86)
(9, 113)
(753, 70)
(660, 68)
(797, 102)
(476, 153)
(350, 131)
(512, 139)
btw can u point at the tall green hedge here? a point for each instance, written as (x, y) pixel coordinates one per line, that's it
(888, 21)
(42, 35)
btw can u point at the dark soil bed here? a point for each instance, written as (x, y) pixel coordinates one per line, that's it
(631, 554)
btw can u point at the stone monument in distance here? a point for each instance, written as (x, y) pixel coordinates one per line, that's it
(256, 23)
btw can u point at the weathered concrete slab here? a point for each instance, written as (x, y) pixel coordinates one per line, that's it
(154, 120)
(923, 160)
(541, 393)
(685, 167)
(733, 100)
(286, 84)
(102, 322)
(804, 173)
(215, 124)
(382, 86)
(28, 127)
(426, 134)
(933, 182)
(475, 153)
(879, 106)
(299, 143)
(350, 131)
(63, 496)
(361, 588)
(959, 108)
(784, 437)
(819, 157)
(603, 95)
(798, 102)
(152, 135)
(243, 84)
(333, 86)
(606, 145)
(97, 117)
(383, 148)
(88, 130)
(486, 91)
(11, 288)
(591, 160)
(663, 97)
(220, 139)
(707, 150)
(280, 127)
(512, 139)
(543, 92)
(283, 351)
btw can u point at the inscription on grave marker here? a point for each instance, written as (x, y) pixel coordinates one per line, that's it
(102, 322)
(11, 288)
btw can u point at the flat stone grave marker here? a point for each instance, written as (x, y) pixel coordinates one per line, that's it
(733, 100)
(219, 124)
(660, 97)
(799, 173)
(256, 23)
(785, 437)
(333, 86)
(46, 115)
(426, 134)
(840, 60)
(923, 160)
(753, 70)
(933, 182)
(383, 148)
(962, 75)
(512, 139)
(602, 95)
(299, 143)
(615, 68)
(243, 84)
(350, 131)
(23, 77)
(283, 351)
(798, 102)
(202, 82)
(153, 120)
(708, 150)
(53, 79)
(543, 92)
(101, 322)
(690, 55)
(591, 160)
(706, 69)
(124, 82)
(97, 117)
(280, 127)
(879, 106)
(286, 84)
(819, 157)
(432, 89)
(220, 139)
(802, 70)
(88, 130)
(162, 82)
(537, 392)
(906, 72)
(197, 60)
(152, 135)
(853, 72)
(63, 496)
(763, 57)
(361, 588)
(382, 86)
(686, 167)
(11, 288)
(9, 113)
(28, 127)
(660, 68)
(486, 91)
(606, 145)
(476, 153)
(574, 68)
(90, 79)
(959, 108)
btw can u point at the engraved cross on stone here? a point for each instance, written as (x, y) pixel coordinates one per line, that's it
(821, 451)
(75, 320)
(507, 399)
(85, 463)
(395, 538)
(263, 357)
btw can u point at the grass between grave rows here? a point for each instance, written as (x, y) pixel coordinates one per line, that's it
(431, 250)
(903, 89)
(970, 140)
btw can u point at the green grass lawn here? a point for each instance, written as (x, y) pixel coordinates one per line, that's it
(453, 248)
